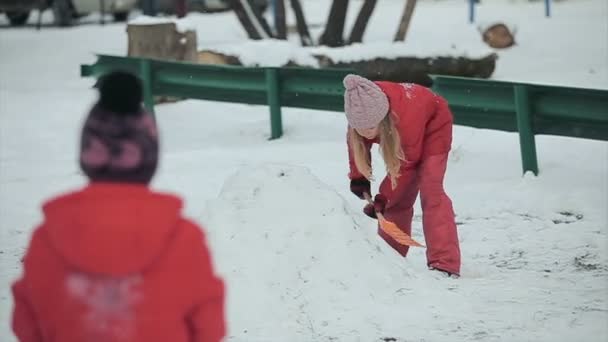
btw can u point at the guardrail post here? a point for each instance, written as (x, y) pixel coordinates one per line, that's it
(527, 143)
(145, 72)
(272, 90)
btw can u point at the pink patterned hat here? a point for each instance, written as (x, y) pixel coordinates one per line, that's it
(365, 104)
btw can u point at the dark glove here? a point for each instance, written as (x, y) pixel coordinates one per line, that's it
(359, 187)
(378, 206)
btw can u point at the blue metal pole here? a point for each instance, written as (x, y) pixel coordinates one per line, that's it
(547, 8)
(275, 14)
(471, 11)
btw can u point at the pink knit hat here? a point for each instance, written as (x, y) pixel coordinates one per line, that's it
(365, 104)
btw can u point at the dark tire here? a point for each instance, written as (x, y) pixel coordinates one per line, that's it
(18, 18)
(121, 16)
(62, 13)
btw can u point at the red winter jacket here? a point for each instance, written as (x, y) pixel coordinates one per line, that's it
(117, 263)
(423, 119)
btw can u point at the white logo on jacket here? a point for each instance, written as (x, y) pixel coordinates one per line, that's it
(109, 303)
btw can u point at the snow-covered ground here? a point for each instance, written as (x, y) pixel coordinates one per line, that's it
(301, 261)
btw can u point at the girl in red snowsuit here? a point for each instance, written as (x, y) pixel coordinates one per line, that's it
(413, 127)
(115, 260)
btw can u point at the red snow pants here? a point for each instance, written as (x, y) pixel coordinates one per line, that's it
(438, 220)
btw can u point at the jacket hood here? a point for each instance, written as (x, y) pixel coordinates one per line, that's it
(112, 229)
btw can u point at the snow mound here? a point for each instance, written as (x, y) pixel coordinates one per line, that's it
(294, 258)
(300, 266)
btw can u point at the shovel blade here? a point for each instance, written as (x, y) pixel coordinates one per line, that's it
(397, 234)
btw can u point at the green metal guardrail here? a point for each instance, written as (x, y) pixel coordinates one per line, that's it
(515, 107)
(528, 109)
(276, 87)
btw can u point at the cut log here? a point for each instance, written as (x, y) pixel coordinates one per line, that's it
(401, 69)
(415, 69)
(212, 57)
(498, 36)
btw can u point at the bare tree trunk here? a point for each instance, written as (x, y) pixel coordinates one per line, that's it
(356, 35)
(334, 28)
(150, 7)
(279, 19)
(305, 37)
(181, 8)
(251, 19)
(405, 20)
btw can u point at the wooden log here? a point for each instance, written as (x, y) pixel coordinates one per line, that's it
(416, 69)
(212, 57)
(498, 36)
(401, 69)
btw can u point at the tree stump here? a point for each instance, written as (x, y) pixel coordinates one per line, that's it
(161, 40)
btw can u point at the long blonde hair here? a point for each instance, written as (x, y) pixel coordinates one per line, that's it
(390, 149)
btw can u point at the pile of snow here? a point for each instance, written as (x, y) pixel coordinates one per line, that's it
(300, 267)
(294, 258)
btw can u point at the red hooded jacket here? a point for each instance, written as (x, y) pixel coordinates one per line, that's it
(423, 119)
(117, 263)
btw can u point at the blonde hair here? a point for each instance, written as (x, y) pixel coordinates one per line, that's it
(390, 149)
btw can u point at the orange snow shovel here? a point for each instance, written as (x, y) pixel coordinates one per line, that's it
(391, 229)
